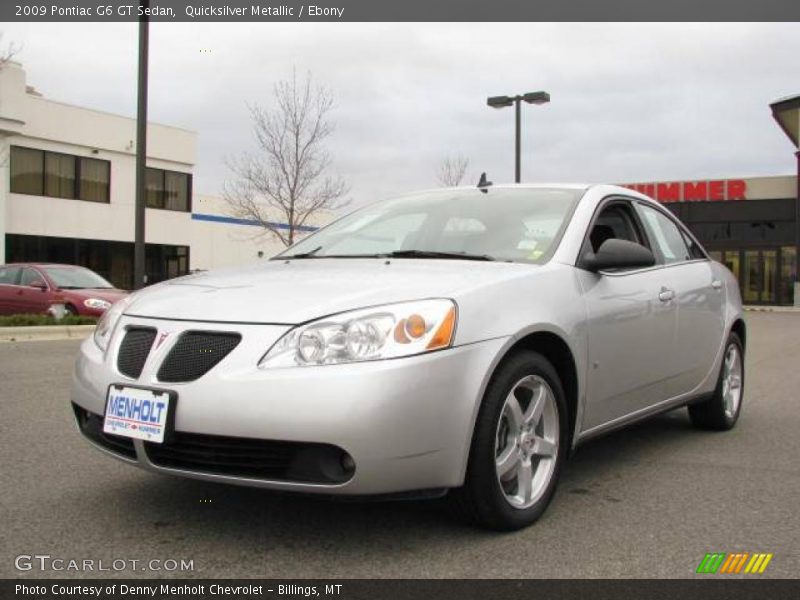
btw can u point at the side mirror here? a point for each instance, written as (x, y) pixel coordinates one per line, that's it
(618, 254)
(38, 283)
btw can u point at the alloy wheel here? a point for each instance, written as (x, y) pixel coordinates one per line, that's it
(526, 445)
(732, 381)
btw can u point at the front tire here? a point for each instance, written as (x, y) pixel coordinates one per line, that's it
(721, 411)
(519, 445)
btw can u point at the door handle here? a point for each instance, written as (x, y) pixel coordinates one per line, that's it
(716, 284)
(665, 295)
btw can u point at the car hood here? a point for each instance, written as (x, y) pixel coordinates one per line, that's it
(296, 291)
(109, 295)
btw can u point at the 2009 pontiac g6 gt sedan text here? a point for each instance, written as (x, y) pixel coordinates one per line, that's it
(461, 340)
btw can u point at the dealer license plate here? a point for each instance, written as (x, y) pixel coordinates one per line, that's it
(137, 413)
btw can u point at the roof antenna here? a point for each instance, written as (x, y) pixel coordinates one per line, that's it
(483, 183)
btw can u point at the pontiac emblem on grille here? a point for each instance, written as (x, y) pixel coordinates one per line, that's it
(161, 339)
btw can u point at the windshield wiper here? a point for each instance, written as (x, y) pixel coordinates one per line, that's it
(309, 254)
(394, 254)
(436, 254)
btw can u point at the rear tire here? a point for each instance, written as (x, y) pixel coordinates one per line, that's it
(721, 411)
(519, 445)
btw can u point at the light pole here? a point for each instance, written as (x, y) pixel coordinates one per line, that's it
(139, 254)
(502, 102)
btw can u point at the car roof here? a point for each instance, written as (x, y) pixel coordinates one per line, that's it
(601, 189)
(533, 186)
(42, 264)
(506, 186)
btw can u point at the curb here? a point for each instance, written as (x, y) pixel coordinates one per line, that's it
(45, 332)
(775, 309)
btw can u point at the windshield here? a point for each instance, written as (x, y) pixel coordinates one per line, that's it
(521, 225)
(72, 278)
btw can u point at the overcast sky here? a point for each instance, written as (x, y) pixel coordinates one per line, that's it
(630, 102)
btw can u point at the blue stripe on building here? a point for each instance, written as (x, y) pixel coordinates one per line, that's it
(251, 222)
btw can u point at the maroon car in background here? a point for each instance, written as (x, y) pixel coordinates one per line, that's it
(36, 287)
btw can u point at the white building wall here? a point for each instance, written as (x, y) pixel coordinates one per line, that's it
(222, 244)
(33, 121)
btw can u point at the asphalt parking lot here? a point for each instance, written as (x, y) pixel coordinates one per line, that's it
(649, 501)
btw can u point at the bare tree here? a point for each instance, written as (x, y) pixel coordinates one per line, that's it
(287, 177)
(451, 170)
(7, 52)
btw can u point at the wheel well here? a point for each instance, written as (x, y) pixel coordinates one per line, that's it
(739, 329)
(555, 349)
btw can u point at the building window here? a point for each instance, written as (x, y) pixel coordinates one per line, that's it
(169, 190)
(95, 179)
(176, 191)
(154, 188)
(27, 171)
(42, 173)
(59, 175)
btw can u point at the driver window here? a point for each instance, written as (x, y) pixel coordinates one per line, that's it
(667, 236)
(614, 222)
(29, 276)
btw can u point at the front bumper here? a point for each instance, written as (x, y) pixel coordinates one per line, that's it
(406, 423)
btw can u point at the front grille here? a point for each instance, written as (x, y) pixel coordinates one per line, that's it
(91, 425)
(253, 458)
(195, 353)
(134, 350)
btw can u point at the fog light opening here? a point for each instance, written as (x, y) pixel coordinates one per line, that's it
(322, 463)
(348, 464)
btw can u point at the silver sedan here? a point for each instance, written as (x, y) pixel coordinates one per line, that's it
(459, 341)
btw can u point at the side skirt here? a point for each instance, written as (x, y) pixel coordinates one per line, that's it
(641, 415)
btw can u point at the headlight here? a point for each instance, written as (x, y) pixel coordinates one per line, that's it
(96, 303)
(389, 331)
(106, 323)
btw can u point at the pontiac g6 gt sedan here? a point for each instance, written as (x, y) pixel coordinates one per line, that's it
(461, 340)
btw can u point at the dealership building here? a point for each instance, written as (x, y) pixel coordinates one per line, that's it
(750, 225)
(67, 193)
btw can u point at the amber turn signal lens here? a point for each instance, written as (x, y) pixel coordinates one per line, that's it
(444, 335)
(415, 326)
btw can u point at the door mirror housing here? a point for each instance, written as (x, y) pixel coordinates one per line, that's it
(618, 254)
(38, 283)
